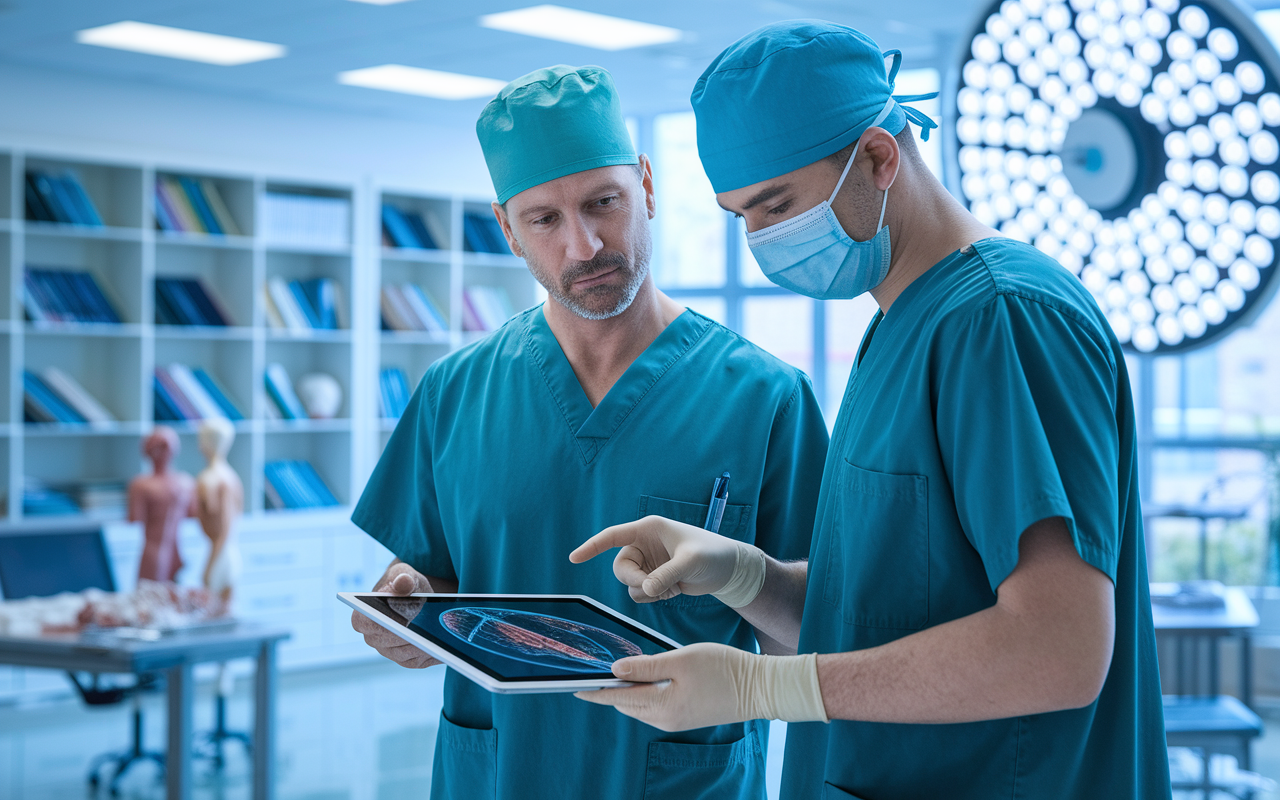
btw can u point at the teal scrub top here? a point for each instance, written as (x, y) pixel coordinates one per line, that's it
(501, 467)
(992, 395)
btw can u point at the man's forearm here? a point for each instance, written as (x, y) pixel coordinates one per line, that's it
(776, 611)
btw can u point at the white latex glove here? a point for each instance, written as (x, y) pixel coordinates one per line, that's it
(661, 558)
(714, 684)
(400, 578)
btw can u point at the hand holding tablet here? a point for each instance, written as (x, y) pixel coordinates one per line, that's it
(399, 579)
(514, 644)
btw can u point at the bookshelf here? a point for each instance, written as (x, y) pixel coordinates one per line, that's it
(294, 559)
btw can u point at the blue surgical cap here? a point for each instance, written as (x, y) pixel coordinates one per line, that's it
(551, 123)
(792, 93)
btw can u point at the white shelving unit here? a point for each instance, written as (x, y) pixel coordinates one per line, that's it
(294, 560)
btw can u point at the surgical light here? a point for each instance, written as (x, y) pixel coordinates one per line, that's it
(1135, 141)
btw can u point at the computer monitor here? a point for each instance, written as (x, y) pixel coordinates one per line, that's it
(49, 561)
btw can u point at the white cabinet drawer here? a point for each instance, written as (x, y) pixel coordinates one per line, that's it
(282, 555)
(279, 598)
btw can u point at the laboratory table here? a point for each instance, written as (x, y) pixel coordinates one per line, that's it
(175, 655)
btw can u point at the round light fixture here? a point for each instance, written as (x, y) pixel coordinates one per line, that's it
(1136, 142)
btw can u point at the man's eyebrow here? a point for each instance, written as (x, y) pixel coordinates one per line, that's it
(606, 188)
(765, 194)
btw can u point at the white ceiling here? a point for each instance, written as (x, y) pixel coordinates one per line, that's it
(325, 37)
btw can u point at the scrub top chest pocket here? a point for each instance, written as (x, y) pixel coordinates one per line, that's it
(877, 570)
(733, 524)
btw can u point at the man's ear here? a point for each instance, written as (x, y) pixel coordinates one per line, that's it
(646, 182)
(500, 214)
(883, 157)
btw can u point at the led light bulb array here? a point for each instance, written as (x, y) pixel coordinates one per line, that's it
(1188, 243)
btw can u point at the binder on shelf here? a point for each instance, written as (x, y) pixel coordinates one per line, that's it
(485, 308)
(41, 500)
(294, 484)
(481, 233)
(301, 305)
(303, 220)
(59, 295)
(213, 198)
(74, 395)
(59, 198)
(174, 398)
(394, 393)
(426, 308)
(41, 404)
(219, 396)
(280, 390)
(192, 205)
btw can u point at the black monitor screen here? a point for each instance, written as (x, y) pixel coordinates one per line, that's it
(45, 563)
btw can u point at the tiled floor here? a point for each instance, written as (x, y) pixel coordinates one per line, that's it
(363, 732)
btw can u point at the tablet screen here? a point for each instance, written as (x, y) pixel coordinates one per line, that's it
(522, 639)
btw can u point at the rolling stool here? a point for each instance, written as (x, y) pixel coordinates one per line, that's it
(210, 746)
(1216, 725)
(96, 695)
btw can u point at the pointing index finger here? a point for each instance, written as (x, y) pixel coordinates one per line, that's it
(607, 539)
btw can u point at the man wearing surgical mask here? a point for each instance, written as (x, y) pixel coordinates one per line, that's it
(973, 620)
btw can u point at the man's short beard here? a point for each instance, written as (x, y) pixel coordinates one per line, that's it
(603, 261)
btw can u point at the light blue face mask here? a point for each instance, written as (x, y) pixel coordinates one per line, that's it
(810, 254)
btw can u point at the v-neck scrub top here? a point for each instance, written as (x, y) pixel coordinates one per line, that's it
(500, 467)
(992, 395)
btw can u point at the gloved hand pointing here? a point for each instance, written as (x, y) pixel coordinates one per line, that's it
(661, 558)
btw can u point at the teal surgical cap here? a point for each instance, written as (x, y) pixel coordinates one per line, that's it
(551, 123)
(790, 94)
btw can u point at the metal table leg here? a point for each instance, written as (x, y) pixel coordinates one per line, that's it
(264, 712)
(178, 757)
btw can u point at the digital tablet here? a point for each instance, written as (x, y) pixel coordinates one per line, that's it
(516, 643)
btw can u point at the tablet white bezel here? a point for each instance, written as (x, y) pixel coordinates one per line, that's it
(481, 677)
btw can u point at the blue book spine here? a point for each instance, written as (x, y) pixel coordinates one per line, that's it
(59, 283)
(304, 302)
(163, 220)
(201, 205)
(493, 233)
(420, 229)
(220, 397)
(88, 213)
(473, 237)
(100, 309)
(50, 197)
(209, 311)
(321, 493)
(165, 410)
(62, 191)
(166, 314)
(183, 305)
(49, 302)
(36, 208)
(275, 474)
(46, 397)
(397, 228)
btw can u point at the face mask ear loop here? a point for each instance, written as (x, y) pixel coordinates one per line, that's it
(883, 204)
(840, 182)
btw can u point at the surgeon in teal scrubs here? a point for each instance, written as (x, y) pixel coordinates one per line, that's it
(607, 403)
(973, 620)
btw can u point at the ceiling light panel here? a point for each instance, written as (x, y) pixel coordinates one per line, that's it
(158, 40)
(422, 82)
(580, 27)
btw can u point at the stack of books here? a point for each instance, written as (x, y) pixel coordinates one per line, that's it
(284, 400)
(99, 499)
(303, 220)
(485, 308)
(190, 205)
(183, 394)
(41, 500)
(187, 301)
(63, 295)
(408, 308)
(413, 229)
(315, 304)
(295, 484)
(393, 397)
(481, 233)
(54, 396)
(59, 198)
